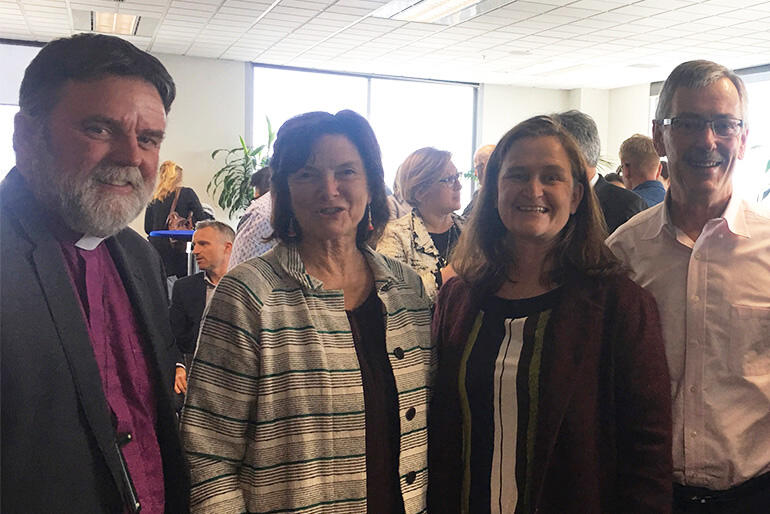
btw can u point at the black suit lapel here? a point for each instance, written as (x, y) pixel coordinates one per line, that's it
(67, 315)
(200, 296)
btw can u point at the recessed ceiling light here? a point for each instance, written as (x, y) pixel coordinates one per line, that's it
(113, 23)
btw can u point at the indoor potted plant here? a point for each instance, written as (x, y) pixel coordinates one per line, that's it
(230, 186)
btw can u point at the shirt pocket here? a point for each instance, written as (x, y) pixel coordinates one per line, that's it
(750, 340)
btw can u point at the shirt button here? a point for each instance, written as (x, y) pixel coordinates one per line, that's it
(696, 298)
(693, 389)
(693, 434)
(697, 256)
(410, 412)
(411, 477)
(399, 353)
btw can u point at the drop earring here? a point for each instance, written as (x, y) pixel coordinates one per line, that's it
(370, 227)
(291, 232)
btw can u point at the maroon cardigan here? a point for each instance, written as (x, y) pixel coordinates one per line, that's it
(604, 431)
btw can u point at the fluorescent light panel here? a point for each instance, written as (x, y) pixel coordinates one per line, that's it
(430, 11)
(114, 23)
(441, 12)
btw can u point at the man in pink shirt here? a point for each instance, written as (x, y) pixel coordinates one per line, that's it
(704, 253)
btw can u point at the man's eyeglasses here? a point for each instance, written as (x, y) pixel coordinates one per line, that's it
(450, 181)
(722, 127)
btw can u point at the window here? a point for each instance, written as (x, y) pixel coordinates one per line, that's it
(7, 156)
(405, 114)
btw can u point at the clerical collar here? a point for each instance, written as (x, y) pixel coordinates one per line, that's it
(89, 242)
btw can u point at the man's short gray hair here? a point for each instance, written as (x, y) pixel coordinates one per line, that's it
(223, 228)
(697, 75)
(583, 128)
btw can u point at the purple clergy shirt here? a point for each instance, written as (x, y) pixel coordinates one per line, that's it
(123, 365)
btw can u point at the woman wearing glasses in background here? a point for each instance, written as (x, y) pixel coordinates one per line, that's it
(424, 238)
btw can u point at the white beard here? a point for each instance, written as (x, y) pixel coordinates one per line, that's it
(80, 204)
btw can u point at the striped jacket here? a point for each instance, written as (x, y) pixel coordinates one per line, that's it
(274, 419)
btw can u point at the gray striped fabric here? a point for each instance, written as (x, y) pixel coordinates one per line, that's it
(274, 419)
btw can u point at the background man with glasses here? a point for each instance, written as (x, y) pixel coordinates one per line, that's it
(705, 255)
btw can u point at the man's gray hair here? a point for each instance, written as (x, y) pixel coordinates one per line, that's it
(697, 75)
(583, 128)
(223, 228)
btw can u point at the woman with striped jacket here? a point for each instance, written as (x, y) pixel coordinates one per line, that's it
(310, 387)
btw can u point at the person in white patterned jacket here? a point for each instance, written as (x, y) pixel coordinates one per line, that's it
(309, 391)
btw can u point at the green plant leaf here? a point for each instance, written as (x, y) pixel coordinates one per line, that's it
(230, 185)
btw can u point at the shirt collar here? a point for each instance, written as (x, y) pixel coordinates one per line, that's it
(207, 280)
(88, 242)
(291, 261)
(734, 215)
(594, 180)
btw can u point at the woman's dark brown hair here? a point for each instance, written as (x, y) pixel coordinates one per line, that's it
(293, 146)
(485, 252)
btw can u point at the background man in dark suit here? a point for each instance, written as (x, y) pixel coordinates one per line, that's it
(212, 246)
(87, 353)
(618, 205)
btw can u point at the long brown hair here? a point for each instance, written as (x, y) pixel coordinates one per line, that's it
(485, 252)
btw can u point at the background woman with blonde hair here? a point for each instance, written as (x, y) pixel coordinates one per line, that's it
(429, 182)
(156, 214)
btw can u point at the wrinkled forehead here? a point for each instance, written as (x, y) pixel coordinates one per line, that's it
(720, 98)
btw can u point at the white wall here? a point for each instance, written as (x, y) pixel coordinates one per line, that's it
(630, 108)
(209, 113)
(619, 113)
(501, 107)
(14, 59)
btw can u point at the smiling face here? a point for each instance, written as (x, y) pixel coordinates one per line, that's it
(536, 191)
(94, 160)
(441, 198)
(701, 164)
(330, 193)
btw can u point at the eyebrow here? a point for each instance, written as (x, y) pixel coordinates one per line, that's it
(115, 125)
(341, 165)
(547, 167)
(688, 114)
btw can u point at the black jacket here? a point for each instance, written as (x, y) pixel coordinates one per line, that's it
(618, 205)
(188, 299)
(56, 432)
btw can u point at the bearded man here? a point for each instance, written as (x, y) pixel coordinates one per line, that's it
(87, 358)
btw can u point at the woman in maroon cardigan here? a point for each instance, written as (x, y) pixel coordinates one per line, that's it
(552, 393)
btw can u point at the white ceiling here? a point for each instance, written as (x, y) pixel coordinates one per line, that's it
(544, 43)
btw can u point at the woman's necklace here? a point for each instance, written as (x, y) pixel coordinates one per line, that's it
(444, 255)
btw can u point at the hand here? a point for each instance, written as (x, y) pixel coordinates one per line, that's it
(180, 381)
(447, 272)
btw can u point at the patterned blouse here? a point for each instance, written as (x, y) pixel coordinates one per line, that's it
(274, 420)
(408, 240)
